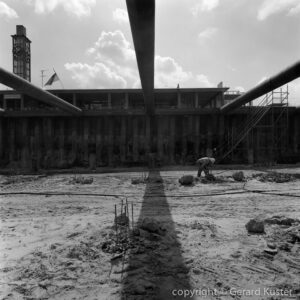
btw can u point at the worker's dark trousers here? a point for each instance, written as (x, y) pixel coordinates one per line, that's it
(203, 168)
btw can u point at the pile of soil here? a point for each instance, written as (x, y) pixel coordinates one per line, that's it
(186, 180)
(238, 176)
(281, 220)
(10, 180)
(81, 180)
(274, 177)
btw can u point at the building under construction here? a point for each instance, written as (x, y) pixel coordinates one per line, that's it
(131, 127)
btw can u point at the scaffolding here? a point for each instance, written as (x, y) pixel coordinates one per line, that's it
(275, 125)
(266, 118)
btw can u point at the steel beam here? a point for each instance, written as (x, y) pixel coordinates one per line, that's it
(142, 22)
(267, 86)
(23, 86)
(1, 111)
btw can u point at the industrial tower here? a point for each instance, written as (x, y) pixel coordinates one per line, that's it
(21, 53)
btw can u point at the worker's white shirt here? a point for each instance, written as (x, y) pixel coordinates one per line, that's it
(206, 160)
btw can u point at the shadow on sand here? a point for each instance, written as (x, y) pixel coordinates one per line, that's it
(159, 268)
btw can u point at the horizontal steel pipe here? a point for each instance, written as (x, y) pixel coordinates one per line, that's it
(265, 87)
(142, 23)
(23, 86)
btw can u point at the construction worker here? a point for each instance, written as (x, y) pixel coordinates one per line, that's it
(204, 164)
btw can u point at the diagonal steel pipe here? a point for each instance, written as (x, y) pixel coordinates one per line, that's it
(142, 22)
(267, 86)
(23, 86)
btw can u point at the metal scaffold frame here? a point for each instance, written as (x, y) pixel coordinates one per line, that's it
(276, 124)
(266, 118)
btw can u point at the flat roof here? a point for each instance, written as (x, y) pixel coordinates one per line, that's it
(160, 90)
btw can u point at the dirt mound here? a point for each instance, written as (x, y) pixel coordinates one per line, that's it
(281, 220)
(21, 179)
(122, 219)
(207, 228)
(286, 240)
(255, 226)
(81, 180)
(274, 177)
(186, 180)
(212, 179)
(152, 226)
(238, 176)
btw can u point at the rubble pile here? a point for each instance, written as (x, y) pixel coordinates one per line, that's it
(281, 234)
(147, 229)
(210, 178)
(81, 180)
(274, 177)
(42, 275)
(238, 176)
(281, 220)
(255, 226)
(186, 180)
(21, 179)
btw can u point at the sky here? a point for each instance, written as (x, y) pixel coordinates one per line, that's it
(198, 43)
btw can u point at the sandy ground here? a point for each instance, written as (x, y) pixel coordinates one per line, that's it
(53, 231)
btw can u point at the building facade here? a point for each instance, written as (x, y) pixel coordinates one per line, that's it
(114, 130)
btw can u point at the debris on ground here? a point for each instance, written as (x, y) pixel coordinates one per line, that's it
(186, 180)
(21, 179)
(67, 248)
(255, 226)
(144, 178)
(209, 178)
(271, 251)
(122, 219)
(238, 176)
(81, 180)
(274, 177)
(152, 226)
(281, 220)
(208, 229)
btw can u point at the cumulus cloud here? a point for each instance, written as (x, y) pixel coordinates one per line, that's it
(168, 73)
(114, 63)
(79, 8)
(120, 15)
(7, 12)
(204, 6)
(95, 76)
(202, 81)
(207, 33)
(114, 47)
(115, 67)
(271, 7)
